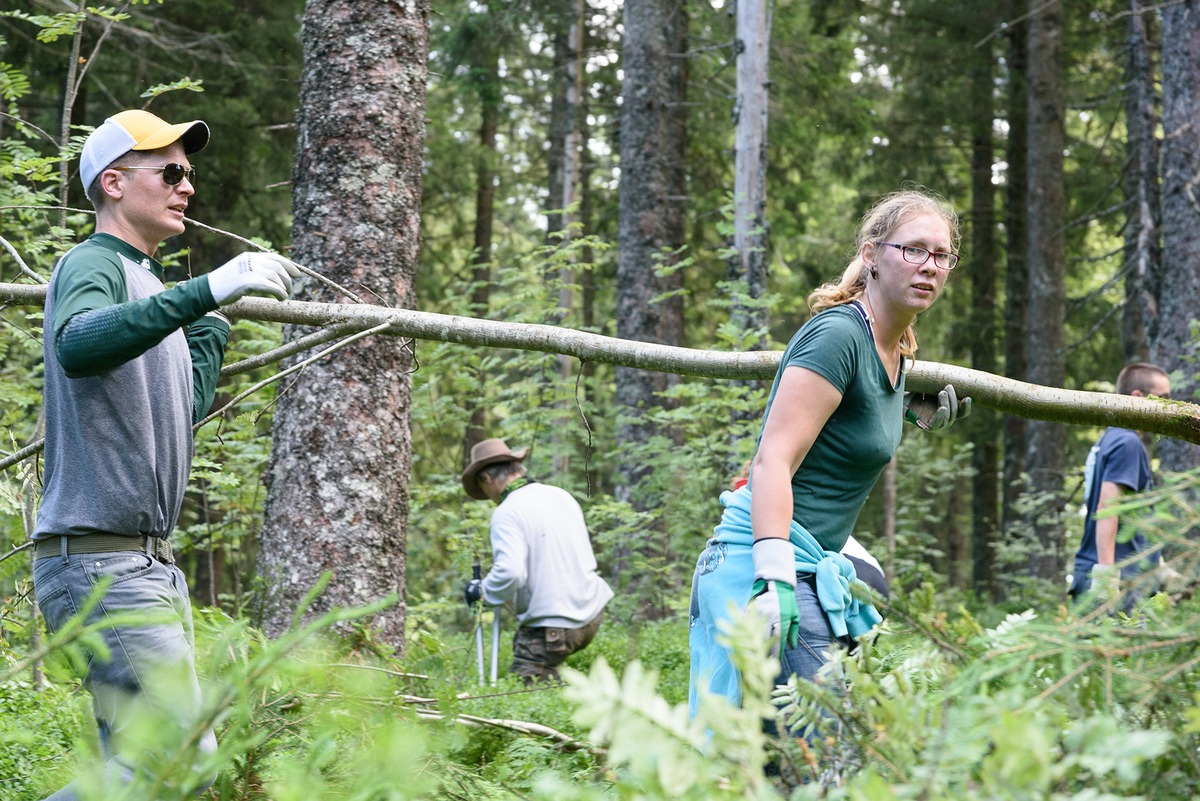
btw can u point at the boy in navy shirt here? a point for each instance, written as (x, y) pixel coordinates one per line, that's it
(1117, 465)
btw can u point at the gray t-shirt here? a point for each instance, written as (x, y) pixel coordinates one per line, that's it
(118, 444)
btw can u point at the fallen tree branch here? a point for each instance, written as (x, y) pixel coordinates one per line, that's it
(564, 741)
(22, 455)
(25, 546)
(312, 340)
(283, 374)
(21, 262)
(1169, 418)
(306, 342)
(393, 673)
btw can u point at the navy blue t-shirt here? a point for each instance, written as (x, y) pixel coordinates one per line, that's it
(1121, 458)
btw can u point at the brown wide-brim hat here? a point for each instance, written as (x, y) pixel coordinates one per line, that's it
(490, 451)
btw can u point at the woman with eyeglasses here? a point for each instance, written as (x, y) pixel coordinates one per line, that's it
(832, 422)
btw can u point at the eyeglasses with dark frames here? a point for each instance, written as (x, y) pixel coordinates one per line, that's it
(919, 255)
(172, 173)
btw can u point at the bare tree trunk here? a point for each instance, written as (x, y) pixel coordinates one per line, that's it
(337, 495)
(572, 173)
(37, 675)
(572, 153)
(587, 281)
(30, 492)
(650, 232)
(485, 198)
(560, 22)
(1045, 441)
(1016, 274)
(70, 91)
(1170, 418)
(749, 261)
(984, 426)
(1176, 346)
(485, 202)
(749, 265)
(1143, 224)
(650, 224)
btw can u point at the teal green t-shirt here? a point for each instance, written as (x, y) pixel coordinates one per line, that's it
(832, 484)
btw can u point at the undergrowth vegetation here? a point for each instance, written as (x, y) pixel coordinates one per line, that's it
(1061, 704)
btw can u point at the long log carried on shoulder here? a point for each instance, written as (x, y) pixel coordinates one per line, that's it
(1170, 418)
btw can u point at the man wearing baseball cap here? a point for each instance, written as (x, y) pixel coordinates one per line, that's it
(542, 562)
(130, 366)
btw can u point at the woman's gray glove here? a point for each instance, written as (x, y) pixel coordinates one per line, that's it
(935, 412)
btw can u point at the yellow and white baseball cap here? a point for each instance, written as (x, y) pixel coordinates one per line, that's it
(135, 130)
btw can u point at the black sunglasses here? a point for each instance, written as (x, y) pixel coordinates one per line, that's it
(172, 173)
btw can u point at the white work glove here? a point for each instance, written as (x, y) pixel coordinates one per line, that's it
(773, 596)
(252, 272)
(935, 412)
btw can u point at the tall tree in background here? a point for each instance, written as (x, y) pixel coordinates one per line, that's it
(571, 168)
(650, 234)
(1045, 442)
(1143, 221)
(1176, 345)
(341, 456)
(1016, 273)
(749, 263)
(984, 426)
(474, 47)
(559, 18)
(650, 226)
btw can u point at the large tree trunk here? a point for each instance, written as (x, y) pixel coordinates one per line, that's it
(1045, 442)
(650, 231)
(984, 426)
(1176, 346)
(651, 221)
(1016, 273)
(1143, 250)
(337, 495)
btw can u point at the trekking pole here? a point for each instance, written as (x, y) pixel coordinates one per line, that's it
(475, 574)
(495, 640)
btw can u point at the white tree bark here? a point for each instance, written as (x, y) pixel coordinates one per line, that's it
(750, 149)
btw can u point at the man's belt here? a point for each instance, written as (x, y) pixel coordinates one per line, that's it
(155, 547)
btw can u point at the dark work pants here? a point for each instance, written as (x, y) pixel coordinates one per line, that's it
(539, 650)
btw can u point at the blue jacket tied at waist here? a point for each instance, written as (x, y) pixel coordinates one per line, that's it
(834, 572)
(725, 573)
